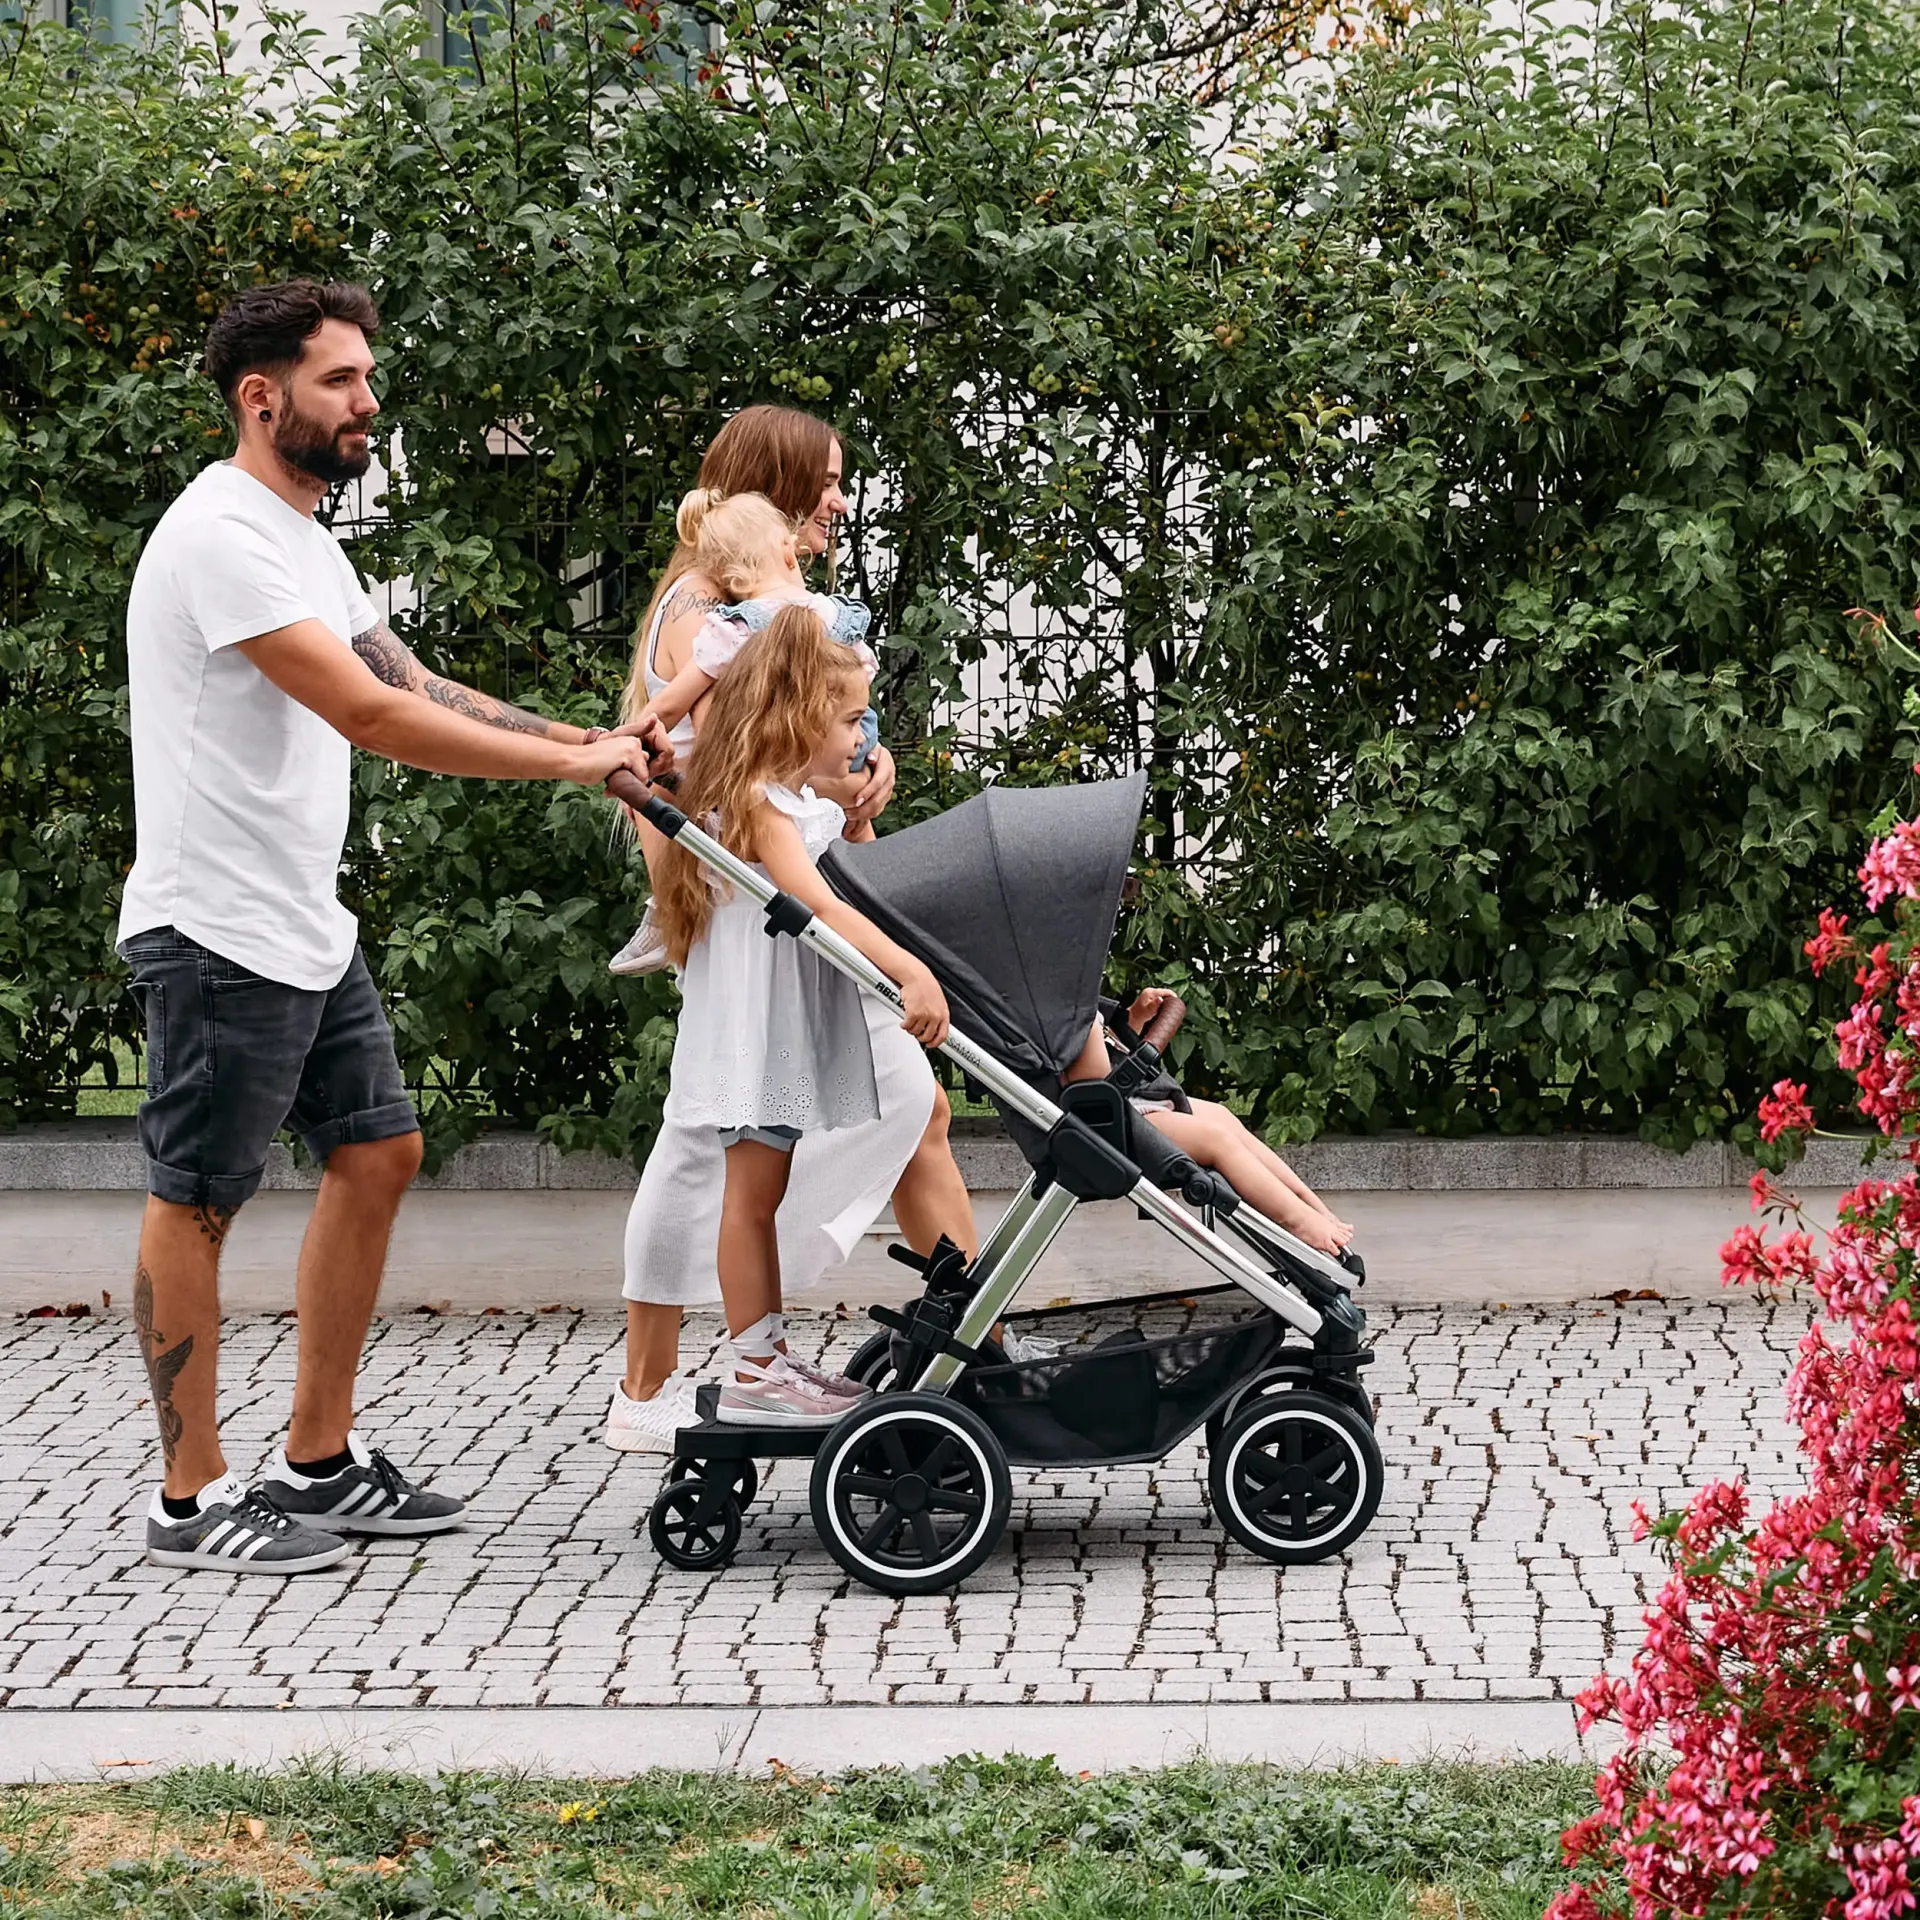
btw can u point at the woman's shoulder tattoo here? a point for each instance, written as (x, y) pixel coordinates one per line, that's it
(692, 599)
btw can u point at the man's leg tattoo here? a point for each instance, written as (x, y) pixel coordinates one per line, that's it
(213, 1221)
(163, 1363)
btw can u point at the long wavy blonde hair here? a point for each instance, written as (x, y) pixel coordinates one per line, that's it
(770, 711)
(778, 451)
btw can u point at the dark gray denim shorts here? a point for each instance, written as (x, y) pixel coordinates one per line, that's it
(233, 1057)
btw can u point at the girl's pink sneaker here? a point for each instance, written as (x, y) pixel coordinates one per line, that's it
(836, 1384)
(777, 1396)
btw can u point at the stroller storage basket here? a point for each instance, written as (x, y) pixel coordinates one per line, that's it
(1126, 1398)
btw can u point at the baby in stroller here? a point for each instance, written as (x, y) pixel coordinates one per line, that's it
(1205, 1131)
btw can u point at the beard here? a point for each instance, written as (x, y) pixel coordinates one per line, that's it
(311, 448)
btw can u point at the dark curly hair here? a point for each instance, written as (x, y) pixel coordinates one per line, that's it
(266, 329)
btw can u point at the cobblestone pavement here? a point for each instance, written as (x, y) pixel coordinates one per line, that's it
(1500, 1566)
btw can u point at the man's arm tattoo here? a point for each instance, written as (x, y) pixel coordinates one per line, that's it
(163, 1364)
(386, 658)
(482, 707)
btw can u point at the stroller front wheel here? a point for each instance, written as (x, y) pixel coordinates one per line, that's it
(1287, 1377)
(1296, 1477)
(910, 1492)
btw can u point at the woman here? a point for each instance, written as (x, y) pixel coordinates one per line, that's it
(840, 1180)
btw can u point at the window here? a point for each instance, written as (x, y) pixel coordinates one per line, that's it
(122, 20)
(452, 29)
(453, 25)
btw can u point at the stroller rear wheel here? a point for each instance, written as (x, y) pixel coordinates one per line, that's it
(910, 1492)
(695, 1523)
(1296, 1477)
(872, 1362)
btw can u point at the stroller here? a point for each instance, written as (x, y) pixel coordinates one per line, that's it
(1011, 900)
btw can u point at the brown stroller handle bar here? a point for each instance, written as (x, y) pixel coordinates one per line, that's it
(786, 915)
(631, 791)
(1166, 1023)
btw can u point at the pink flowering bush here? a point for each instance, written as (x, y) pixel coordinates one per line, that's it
(1771, 1763)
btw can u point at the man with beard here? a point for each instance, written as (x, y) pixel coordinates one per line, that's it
(255, 659)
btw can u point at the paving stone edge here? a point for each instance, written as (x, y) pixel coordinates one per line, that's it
(103, 1155)
(616, 1743)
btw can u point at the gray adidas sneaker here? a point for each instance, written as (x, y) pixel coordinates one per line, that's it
(371, 1496)
(238, 1531)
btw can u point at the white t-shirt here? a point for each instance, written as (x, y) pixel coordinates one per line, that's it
(240, 793)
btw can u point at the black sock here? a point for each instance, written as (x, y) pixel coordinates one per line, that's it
(180, 1509)
(324, 1469)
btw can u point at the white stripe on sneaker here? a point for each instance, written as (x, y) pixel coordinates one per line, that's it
(211, 1540)
(354, 1501)
(254, 1546)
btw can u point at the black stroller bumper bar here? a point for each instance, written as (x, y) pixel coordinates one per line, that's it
(787, 915)
(1100, 1148)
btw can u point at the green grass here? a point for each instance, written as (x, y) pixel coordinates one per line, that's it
(973, 1837)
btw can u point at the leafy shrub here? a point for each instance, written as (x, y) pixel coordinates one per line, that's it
(1450, 502)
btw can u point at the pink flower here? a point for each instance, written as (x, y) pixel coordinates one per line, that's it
(1831, 943)
(1892, 865)
(1776, 1663)
(1785, 1110)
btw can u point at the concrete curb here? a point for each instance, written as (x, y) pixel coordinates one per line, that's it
(615, 1743)
(102, 1155)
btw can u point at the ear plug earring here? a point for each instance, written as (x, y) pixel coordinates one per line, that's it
(266, 413)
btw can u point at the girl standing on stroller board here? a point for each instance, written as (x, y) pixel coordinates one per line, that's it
(772, 1042)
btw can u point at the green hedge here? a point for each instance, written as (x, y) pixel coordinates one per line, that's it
(1454, 497)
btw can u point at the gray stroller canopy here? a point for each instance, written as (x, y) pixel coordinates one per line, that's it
(1010, 898)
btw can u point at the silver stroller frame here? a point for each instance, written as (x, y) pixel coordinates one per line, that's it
(910, 1486)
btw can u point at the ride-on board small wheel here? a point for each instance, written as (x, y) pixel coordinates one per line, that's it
(695, 1523)
(910, 1492)
(1296, 1376)
(742, 1475)
(1296, 1477)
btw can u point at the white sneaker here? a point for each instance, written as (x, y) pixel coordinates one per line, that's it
(646, 952)
(1019, 1347)
(648, 1426)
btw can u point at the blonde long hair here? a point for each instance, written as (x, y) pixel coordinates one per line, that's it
(770, 711)
(778, 451)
